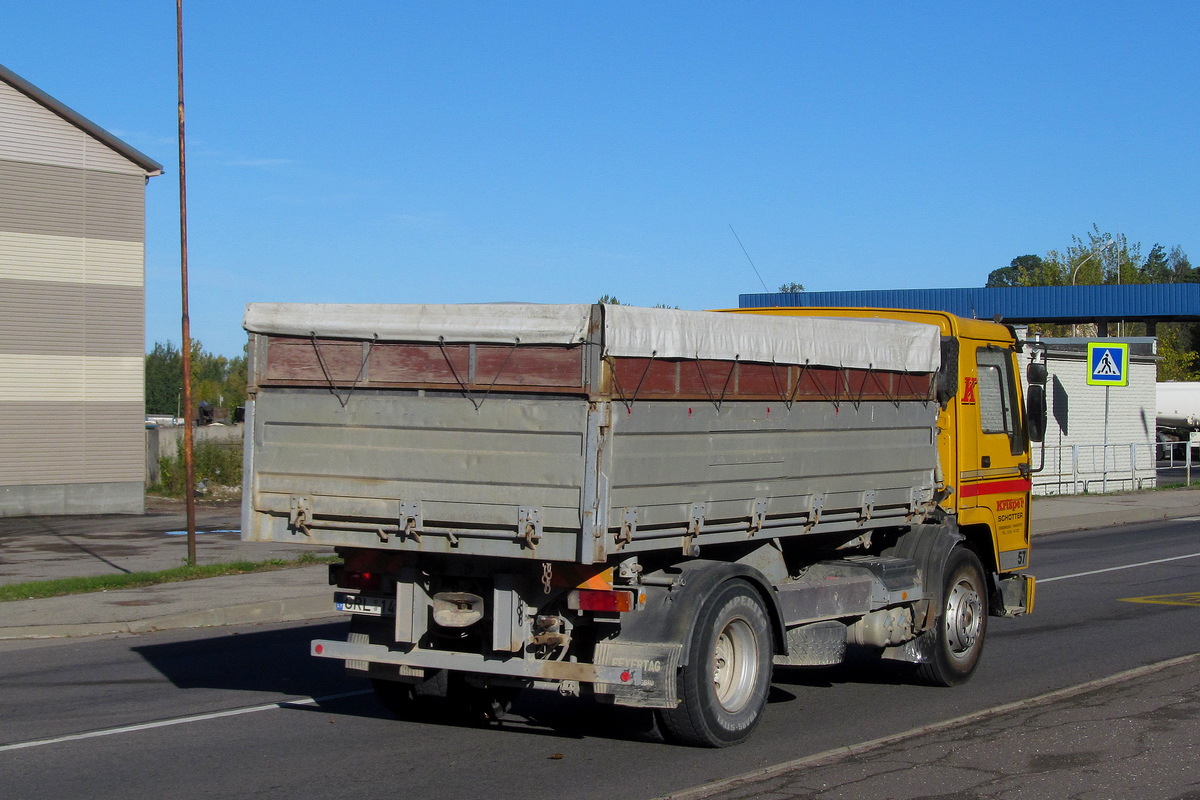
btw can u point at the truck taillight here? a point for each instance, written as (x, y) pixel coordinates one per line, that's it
(365, 581)
(595, 600)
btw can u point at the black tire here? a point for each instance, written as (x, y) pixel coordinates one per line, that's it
(398, 698)
(459, 702)
(723, 689)
(951, 649)
(488, 704)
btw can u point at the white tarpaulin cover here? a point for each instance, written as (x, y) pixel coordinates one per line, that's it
(501, 323)
(857, 343)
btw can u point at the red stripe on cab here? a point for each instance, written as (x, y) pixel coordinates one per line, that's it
(994, 487)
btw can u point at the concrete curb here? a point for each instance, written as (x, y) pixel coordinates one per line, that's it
(838, 753)
(288, 610)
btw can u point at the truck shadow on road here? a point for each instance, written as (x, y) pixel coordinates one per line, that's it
(276, 661)
(860, 667)
(270, 660)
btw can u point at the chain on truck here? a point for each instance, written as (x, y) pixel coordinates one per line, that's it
(650, 506)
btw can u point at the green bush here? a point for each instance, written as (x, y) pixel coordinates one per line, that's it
(217, 463)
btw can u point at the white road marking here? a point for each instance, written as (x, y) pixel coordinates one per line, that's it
(1114, 569)
(145, 726)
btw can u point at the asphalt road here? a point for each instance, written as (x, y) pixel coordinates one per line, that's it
(174, 689)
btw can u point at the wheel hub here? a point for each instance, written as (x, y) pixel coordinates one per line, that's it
(964, 617)
(735, 665)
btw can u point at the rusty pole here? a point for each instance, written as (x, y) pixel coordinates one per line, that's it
(189, 467)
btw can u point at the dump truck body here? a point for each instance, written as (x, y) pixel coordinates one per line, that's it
(570, 497)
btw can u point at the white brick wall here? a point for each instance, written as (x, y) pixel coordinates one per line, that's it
(1076, 458)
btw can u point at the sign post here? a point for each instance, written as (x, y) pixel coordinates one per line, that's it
(1108, 366)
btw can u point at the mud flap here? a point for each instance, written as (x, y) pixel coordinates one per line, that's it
(659, 664)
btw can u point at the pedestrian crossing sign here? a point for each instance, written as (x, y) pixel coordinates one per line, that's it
(1108, 364)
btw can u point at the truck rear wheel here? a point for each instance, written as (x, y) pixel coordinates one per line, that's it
(398, 698)
(447, 696)
(723, 689)
(951, 648)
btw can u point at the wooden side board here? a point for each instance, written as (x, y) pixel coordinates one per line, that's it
(341, 364)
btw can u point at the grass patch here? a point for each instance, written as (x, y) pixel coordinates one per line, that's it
(217, 463)
(1180, 485)
(133, 580)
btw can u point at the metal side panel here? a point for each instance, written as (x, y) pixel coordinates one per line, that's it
(679, 464)
(396, 470)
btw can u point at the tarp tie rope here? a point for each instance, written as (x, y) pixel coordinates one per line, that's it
(862, 389)
(836, 397)
(894, 399)
(799, 380)
(329, 378)
(728, 378)
(783, 395)
(712, 398)
(512, 349)
(626, 400)
(466, 389)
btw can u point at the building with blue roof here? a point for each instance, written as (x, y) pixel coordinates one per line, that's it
(1101, 305)
(1100, 438)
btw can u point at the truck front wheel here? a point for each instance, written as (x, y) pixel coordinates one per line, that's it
(723, 689)
(951, 648)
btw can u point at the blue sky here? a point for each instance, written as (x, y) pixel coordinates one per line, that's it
(554, 152)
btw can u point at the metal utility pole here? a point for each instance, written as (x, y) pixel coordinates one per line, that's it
(189, 465)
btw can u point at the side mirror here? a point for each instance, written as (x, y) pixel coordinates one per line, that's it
(1036, 373)
(1035, 410)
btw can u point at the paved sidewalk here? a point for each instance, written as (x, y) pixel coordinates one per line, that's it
(37, 548)
(1077, 512)
(41, 548)
(1133, 735)
(277, 596)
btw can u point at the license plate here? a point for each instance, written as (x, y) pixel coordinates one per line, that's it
(365, 604)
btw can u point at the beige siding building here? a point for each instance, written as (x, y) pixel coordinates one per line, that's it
(72, 310)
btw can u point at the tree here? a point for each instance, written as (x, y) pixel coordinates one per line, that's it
(1157, 269)
(1101, 258)
(1178, 363)
(1004, 276)
(164, 379)
(1182, 270)
(792, 288)
(1026, 270)
(609, 300)
(216, 380)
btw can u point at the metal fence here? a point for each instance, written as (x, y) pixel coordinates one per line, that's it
(1085, 469)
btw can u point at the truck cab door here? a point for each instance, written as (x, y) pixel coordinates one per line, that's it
(994, 481)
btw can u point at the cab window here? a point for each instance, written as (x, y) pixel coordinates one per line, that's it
(998, 397)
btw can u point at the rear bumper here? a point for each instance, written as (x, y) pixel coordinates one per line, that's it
(478, 664)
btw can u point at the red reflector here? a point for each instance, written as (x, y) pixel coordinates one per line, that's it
(626, 677)
(320, 649)
(595, 600)
(369, 581)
